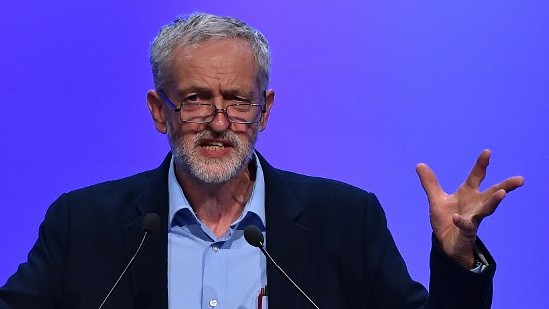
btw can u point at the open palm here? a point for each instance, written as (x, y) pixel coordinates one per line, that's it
(455, 218)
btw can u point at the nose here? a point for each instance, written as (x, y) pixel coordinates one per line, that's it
(220, 122)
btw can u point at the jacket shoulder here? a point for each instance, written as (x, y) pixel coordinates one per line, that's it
(323, 186)
(127, 185)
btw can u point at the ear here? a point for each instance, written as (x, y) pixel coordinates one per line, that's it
(269, 101)
(154, 103)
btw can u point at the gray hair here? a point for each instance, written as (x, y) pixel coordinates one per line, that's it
(200, 27)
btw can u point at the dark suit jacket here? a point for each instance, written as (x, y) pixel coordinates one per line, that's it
(331, 238)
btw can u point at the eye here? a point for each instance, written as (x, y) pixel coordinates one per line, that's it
(196, 98)
(242, 108)
(239, 99)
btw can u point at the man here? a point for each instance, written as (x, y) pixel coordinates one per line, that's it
(211, 98)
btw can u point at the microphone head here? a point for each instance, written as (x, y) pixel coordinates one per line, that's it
(151, 223)
(253, 236)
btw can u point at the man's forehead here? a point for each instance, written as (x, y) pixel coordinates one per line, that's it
(214, 43)
(229, 54)
(227, 59)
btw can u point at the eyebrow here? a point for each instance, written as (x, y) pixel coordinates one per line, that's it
(239, 93)
(193, 89)
(203, 90)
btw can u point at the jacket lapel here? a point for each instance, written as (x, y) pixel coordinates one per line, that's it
(149, 272)
(287, 241)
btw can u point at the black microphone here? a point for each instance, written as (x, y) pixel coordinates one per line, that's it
(254, 237)
(151, 224)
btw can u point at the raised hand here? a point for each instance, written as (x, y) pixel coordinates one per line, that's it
(455, 218)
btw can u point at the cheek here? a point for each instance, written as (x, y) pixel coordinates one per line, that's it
(182, 133)
(249, 133)
(181, 128)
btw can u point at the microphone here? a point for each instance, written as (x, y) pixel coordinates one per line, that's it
(254, 237)
(151, 224)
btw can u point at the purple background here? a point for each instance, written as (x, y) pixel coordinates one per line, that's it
(365, 90)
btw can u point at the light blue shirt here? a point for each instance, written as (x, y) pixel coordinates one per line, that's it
(209, 272)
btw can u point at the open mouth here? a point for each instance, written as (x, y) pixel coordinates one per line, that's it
(212, 145)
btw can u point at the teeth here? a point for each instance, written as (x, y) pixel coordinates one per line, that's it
(214, 146)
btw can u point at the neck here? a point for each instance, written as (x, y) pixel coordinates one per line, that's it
(218, 205)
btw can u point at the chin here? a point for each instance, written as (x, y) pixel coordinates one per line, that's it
(215, 170)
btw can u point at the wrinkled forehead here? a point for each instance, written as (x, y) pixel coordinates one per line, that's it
(218, 46)
(218, 55)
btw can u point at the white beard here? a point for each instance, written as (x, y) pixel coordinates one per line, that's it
(212, 170)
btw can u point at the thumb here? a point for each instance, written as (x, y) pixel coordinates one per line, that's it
(466, 226)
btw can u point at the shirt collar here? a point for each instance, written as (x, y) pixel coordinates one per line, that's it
(255, 205)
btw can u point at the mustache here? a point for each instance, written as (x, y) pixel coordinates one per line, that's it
(228, 137)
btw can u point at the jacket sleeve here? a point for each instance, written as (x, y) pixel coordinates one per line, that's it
(37, 283)
(391, 284)
(451, 286)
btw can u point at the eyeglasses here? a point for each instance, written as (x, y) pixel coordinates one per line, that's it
(245, 113)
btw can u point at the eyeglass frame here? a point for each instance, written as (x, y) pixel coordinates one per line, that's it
(216, 109)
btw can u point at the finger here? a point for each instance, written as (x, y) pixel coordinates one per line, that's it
(512, 183)
(489, 207)
(467, 227)
(429, 181)
(479, 170)
(508, 185)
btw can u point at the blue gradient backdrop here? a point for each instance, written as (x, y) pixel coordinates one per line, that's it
(365, 90)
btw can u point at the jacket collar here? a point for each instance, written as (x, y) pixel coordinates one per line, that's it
(149, 273)
(286, 239)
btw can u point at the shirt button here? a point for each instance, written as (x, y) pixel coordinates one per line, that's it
(215, 248)
(213, 302)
